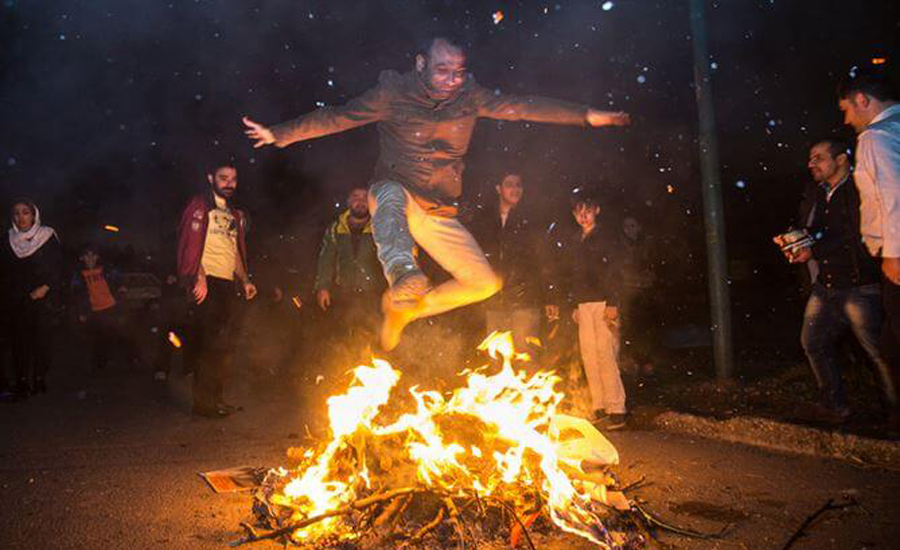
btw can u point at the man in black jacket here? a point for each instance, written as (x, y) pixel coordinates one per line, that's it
(425, 121)
(514, 248)
(846, 289)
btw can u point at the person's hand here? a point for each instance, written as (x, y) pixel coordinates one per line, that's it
(611, 313)
(801, 255)
(607, 118)
(200, 289)
(40, 292)
(324, 299)
(891, 269)
(575, 315)
(260, 133)
(552, 312)
(122, 290)
(249, 290)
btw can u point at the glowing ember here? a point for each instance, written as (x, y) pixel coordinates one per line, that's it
(296, 301)
(878, 61)
(174, 340)
(497, 437)
(111, 228)
(497, 16)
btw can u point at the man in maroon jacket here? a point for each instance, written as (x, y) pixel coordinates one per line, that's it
(425, 120)
(212, 253)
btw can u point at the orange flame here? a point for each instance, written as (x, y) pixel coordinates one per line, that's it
(174, 339)
(497, 435)
(111, 228)
(497, 16)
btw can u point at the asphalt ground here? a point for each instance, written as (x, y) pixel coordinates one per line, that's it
(112, 462)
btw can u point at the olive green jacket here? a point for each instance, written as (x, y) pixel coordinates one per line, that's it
(342, 270)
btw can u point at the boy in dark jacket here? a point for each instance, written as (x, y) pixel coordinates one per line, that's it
(592, 268)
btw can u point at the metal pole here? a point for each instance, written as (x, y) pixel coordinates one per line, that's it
(713, 215)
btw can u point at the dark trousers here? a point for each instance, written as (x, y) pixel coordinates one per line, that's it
(165, 349)
(829, 314)
(890, 340)
(32, 334)
(212, 331)
(105, 330)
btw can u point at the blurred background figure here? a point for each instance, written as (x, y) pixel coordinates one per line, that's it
(349, 279)
(34, 266)
(94, 289)
(514, 247)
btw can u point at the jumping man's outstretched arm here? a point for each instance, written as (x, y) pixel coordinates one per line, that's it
(543, 109)
(369, 107)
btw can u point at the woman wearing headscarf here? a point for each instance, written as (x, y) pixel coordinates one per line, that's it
(35, 279)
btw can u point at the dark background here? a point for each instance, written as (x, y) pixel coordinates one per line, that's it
(110, 111)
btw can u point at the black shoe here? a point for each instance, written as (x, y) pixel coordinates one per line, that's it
(210, 412)
(612, 422)
(22, 390)
(230, 408)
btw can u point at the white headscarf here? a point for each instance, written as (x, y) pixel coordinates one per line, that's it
(26, 243)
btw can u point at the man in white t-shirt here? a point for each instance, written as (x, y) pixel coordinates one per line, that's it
(212, 258)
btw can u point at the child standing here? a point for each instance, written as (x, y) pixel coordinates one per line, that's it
(96, 306)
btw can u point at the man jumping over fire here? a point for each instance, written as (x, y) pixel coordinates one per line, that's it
(425, 121)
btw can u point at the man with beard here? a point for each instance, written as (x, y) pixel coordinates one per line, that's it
(425, 120)
(846, 290)
(212, 253)
(348, 278)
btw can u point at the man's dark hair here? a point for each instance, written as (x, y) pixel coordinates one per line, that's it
(504, 175)
(222, 162)
(836, 146)
(870, 82)
(359, 187)
(584, 197)
(451, 38)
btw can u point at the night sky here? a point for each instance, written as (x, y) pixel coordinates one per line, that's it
(110, 109)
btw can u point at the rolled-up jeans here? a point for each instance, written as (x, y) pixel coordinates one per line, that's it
(829, 314)
(399, 223)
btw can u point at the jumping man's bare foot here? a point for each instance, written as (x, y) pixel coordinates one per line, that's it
(401, 305)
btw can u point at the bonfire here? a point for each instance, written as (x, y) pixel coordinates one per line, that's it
(493, 459)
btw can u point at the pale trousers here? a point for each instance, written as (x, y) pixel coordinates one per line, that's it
(599, 353)
(399, 222)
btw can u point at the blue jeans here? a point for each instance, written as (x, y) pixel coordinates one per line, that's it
(829, 314)
(399, 223)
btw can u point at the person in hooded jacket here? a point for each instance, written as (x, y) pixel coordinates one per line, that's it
(34, 271)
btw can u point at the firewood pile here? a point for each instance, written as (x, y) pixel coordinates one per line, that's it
(490, 464)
